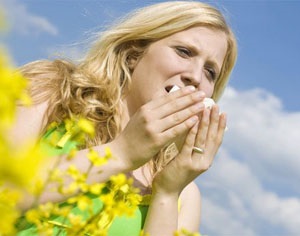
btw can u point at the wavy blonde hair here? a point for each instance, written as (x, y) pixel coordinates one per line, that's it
(95, 87)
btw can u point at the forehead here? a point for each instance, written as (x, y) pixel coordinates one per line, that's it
(203, 39)
(198, 34)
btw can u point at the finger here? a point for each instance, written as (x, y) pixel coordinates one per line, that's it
(203, 129)
(180, 129)
(188, 145)
(221, 129)
(158, 102)
(223, 121)
(213, 135)
(178, 104)
(177, 111)
(180, 116)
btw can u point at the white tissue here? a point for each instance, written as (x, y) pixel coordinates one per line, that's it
(175, 88)
(208, 102)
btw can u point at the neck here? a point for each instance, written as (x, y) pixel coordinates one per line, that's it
(124, 114)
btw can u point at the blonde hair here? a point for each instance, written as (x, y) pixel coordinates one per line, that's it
(95, 87)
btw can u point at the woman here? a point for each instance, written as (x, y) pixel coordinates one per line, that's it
(123, 85)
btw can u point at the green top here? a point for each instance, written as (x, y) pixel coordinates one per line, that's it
(120, 226)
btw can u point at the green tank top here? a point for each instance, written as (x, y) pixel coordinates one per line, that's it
(120, 226)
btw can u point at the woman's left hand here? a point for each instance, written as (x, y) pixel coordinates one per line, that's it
(207, 134)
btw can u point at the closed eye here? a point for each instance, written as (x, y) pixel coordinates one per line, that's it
(183, 52)
(211, 74)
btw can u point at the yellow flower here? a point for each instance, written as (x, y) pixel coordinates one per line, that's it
(84, 187)
(9, 212)
(38, 187)
(72, 188)
(122, 208)
(134, 198)
(108, 200)
(76, 174)
(45, 229)
(9, 197)
(12, 89)
(118, 180)
(56, 175)
(95, 159)
(33, 216)
(96, 188)
(20, 166)
(124, 188)
(142, 233)
(184, 232)
(46, 209)
(63, 211)
(8, 218)
(86, 126)
(95, 229)
(84, 202)
(72, 154)
(108, 153)
(76, 222)
(76, 130)
(105, 220)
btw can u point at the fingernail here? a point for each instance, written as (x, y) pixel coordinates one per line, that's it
(190, 88)
(194, 119)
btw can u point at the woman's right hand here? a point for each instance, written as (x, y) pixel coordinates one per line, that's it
(157, 124)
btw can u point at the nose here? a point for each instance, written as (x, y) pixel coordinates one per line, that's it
(192, 76)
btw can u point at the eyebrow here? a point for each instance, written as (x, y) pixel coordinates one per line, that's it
(198, 50)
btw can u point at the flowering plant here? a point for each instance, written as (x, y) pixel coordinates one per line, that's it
(19, 165)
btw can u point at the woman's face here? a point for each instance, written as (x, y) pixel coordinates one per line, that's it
(190, 57)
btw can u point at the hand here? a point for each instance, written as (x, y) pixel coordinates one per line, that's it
(157, 123)
(187, 165)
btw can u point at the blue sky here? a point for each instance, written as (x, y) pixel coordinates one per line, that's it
(252, 188)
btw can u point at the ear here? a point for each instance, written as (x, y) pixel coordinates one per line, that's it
(131, 62)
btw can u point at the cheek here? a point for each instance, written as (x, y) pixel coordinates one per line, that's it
(208, 88)
(153, 71)
(161, 63)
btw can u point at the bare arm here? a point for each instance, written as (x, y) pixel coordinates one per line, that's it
(28, 123)
(175, 178)
(145, 134)
(169, 212)
(190, 210)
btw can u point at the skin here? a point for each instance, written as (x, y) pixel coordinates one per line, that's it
(191, 57)
(155, 119)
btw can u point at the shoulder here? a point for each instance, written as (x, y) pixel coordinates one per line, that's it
(190, 192)
(29, 122)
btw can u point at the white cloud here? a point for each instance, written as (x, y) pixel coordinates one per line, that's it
(74, 52)
(234, 203)
(24, 22)
(243, 192)
(264, 135)
(219, 221)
